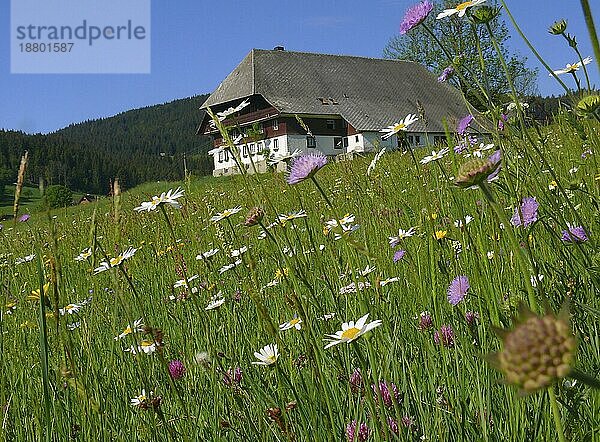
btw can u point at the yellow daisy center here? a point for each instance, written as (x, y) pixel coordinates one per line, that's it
(146, 343)
(69, 307)
(399, 127)
(294, 321)
(116, 260)
(350, 333)
(271, 358)
(127, 331)
(464, 5)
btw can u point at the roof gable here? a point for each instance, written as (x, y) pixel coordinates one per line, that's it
(369, 93)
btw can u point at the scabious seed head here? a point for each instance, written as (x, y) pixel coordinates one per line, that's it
(475, 171)
(537, 352)
(484, 14)
(255, 216)
(558, 27)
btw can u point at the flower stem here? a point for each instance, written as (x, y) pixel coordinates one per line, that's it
(314, 180)
(589, 21)
(556, 415)
(514, 243)
(535, 52)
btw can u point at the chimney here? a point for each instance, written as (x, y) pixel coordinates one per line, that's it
(279, 48)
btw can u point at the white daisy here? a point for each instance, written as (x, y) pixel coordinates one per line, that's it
(225, 214)
(169, 198)
(387, 281)
(137, 327)
(435, 156)
(238, 252)
(459, 223)
(397, 127)
(208, 254)
(216, 302)
(25, 259)
(85, 254)
(460, 9)
(267, 355)
(283, 218)
(116, 261)
(351, 331)
(232, 110)
(70, 309)
(570, 68)
(402, 234)
(182, 283)
(296, 323)
(140, 400)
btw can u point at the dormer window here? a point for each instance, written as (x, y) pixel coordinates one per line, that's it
(331, 124)
(275, 124)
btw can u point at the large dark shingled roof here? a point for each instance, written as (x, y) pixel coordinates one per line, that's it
(371, 93)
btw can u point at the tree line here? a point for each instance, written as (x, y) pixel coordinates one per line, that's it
(136, 146)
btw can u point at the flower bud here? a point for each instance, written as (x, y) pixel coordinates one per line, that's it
(588, 106)
(254, 217)
(558, 27)
(484, 14)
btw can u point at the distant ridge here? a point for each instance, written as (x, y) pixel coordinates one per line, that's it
(139, 145)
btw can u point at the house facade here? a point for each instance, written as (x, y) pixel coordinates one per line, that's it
(295, 101)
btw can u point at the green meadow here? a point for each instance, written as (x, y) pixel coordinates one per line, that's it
(72, 370)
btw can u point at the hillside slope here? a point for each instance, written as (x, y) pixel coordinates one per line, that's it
(137, 146)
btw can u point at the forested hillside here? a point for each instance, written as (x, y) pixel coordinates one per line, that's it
(136, 146)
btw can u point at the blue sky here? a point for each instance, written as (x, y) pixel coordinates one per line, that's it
(196, 43)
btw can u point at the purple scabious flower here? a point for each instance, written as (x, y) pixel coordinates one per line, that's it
(444, 336)
(393, 425)
(446, 74)
(305, 166)
(574, 234)
(464, 124)
(415, 15)
(526, 214)
(176, 369)
(389, 393)
(503, 119)
(24, 218)
(425, 321)
(458, 289)
(399, 255)
(471, 318)
(232, 376)
(362, 434)
(356, 381)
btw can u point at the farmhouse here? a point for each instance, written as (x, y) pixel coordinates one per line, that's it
(331, 103)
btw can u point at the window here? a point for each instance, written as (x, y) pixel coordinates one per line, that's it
(411, 140)
(417, 140)
(345, 141)
(275, 124)
(438, 139)
(245, 151)
(275, 144)
(226, 158)
(337, 142)
(253, 149)
(311, 143)
(356, 138)
(331, 124)
(259, 147)
(221, 156)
